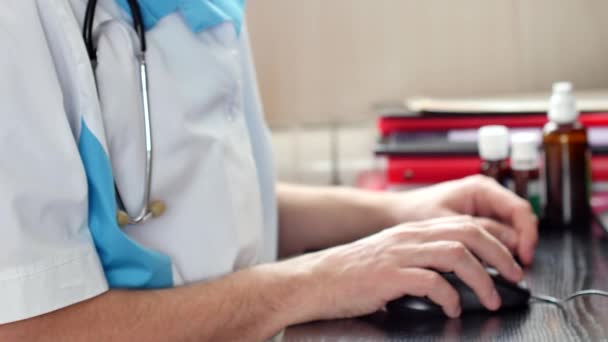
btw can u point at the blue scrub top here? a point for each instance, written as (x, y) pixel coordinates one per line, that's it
(198, 14)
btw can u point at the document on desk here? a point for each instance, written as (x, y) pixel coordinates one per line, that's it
(588, 101)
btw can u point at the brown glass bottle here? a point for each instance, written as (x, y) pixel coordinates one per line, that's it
(523, 182)
(567, 176)
(497, 169)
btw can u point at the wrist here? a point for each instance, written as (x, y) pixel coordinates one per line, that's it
(287, 291)
(379, 209)
(413, 205)
(390, 207)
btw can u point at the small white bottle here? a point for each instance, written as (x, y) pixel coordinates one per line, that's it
(493, 144)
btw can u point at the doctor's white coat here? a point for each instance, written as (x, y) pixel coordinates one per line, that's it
(63, 143)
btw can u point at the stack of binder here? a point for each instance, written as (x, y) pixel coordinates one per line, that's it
(426, 141)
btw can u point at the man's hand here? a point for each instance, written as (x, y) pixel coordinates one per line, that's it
(361, 277)
(502, 213)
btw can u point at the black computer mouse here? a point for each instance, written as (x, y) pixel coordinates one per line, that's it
(513, 296)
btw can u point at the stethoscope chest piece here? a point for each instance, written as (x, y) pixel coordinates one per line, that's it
(155, 209)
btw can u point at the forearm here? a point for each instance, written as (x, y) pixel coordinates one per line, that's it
(250, 305)
(313, 218)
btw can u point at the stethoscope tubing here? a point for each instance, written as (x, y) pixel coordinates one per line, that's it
(147, 209)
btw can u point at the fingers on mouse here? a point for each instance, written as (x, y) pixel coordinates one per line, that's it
(513, 296)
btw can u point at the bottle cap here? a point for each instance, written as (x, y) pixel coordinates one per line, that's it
(524, 151)
(562, 108)
(493, 142)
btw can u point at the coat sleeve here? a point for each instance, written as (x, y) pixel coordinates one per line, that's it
(47, 256)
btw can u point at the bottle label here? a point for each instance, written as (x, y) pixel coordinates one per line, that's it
(543, 183)
(534, 195)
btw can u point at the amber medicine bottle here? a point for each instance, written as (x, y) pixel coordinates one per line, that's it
(566, 164)
(494, 151)
(525, 171)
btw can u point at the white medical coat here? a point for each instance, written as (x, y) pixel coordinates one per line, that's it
(63, 142)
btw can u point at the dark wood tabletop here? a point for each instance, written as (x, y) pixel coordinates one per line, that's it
(564, 263)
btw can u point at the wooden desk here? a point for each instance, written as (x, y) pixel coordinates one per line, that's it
(564, 263)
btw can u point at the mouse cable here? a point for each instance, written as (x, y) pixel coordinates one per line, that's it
(561, 302)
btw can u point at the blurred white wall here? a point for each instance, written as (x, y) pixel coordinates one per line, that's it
(327, 60)
(322, 61)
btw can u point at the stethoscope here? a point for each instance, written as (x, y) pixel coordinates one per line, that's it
(149, 208)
